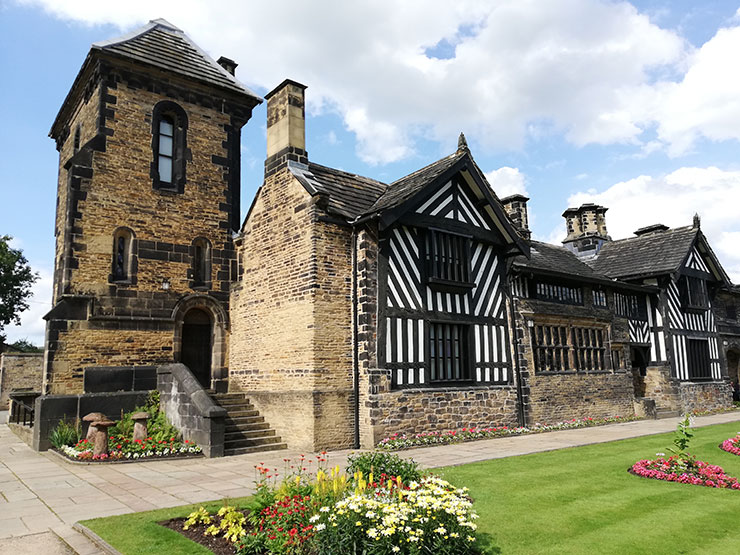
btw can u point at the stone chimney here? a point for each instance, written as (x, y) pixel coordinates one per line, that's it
(586, 226)
(516, 209)
(286, 126)
(651, 229)
(228, 64)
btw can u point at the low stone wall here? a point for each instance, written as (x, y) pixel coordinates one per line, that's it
(99, 379)
(428, 409)
(190, 409)
(19, 372)
(705, 396)
(661, 387)
(564, 396)
(50, 409)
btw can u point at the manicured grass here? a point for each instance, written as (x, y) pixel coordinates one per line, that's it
(139, 533)
(572, 501)
(582, 500)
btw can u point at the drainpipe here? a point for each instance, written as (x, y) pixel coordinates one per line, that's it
(517, 369)
(355, 346)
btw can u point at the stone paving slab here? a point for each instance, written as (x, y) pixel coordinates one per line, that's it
(40, 491)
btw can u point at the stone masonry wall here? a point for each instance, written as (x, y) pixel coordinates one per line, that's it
(705, 396)
(557, 396)
(134, 322)
(19, 372)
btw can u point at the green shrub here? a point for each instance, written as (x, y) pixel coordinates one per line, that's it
(158, 427)
(65, 433)
(379, 462)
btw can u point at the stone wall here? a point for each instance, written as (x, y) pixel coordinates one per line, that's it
(560, 397)
(705, 396)
(661, 387)
(415, 410)
(19, 372)
(108, 184)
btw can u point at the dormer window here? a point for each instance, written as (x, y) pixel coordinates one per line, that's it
(693, 293)
(447, 257)
(169, 149)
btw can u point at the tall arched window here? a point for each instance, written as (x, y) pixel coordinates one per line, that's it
(123, 263)
(169, 148)
(201, 262)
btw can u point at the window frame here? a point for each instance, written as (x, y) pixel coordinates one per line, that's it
(630, 306)
(204, 245)
(694, 293)
(557, 292)
(180, 154)
(450, 273)
(129, 261)
(695, 357)
(465, 374)
(570, 349)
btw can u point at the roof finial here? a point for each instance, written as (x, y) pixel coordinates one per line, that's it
(462, 144)
(697, 221)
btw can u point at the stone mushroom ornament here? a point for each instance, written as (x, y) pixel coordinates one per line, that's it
(101, 437)
(140, 431)
(92, 430)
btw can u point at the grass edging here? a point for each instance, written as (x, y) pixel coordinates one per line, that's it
(135, 533)
(97, 540)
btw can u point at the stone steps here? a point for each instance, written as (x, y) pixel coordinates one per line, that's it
(666, 413)
(245, 429)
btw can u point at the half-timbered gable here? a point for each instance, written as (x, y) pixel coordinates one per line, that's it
(444, 241)
(681, 329)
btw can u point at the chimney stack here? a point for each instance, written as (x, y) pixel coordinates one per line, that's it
(286, 126)
(516, 208)
(586, 227)
(228, 64)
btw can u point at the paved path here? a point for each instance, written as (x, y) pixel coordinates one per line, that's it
(40, 492)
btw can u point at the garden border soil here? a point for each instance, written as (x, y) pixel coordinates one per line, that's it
(176, 457)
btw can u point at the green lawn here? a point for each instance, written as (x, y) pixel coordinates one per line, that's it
(582, 500)
(579, 500)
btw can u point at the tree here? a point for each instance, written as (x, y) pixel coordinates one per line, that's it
(24, 346)
(16, 279)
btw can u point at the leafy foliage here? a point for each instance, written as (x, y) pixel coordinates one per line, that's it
(16, 279)
(65, 433)
(682, 437)
(24, 346)
(379, 462)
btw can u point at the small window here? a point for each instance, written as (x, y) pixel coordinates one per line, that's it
(599, 298)
(201, 262)
(558, 293)
(693, 293)
(76, 143)
(169, 138)
(448, 350)
(630, 306)
(447, 261)
(122, 255)
(697, 355)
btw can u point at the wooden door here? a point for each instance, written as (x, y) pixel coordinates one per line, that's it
(196, 350)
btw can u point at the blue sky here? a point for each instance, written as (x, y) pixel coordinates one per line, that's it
(633, 105)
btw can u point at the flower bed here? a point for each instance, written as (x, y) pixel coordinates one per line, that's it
(329, 513)
(685, 471)
(122, 448)
(731, 445)
(407, 441)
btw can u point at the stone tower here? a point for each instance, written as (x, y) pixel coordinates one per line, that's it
(586, 226)
(148, 200)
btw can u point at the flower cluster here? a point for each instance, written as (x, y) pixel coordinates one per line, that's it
(285, 525)
(685, 471)
(405, 441)
(429, 516)
(732, 445)
(122, 448)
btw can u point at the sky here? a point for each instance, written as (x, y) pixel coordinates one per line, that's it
(635, 106)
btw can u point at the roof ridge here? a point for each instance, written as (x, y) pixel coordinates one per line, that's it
(347, 173)
(457, 153)
(652, 235)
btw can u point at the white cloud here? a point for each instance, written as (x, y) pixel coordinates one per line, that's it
(507, 181)
(673, 199)
(522, 68)
(33, 326)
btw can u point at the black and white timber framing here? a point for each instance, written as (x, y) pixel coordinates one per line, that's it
(469, 304)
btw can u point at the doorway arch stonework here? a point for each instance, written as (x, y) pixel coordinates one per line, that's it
(219, 340)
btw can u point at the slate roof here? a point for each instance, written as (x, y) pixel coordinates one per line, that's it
(161, 44)
(350, 195)
(554, 259)
(403, 189)
(657, 253)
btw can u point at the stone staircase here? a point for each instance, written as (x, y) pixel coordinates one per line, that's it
(246, 431)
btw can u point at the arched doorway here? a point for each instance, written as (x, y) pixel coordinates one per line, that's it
(197, 345)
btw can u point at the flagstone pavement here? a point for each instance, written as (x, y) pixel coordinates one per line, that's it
(41, 494)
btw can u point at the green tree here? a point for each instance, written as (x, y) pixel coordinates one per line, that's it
(16, 279)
